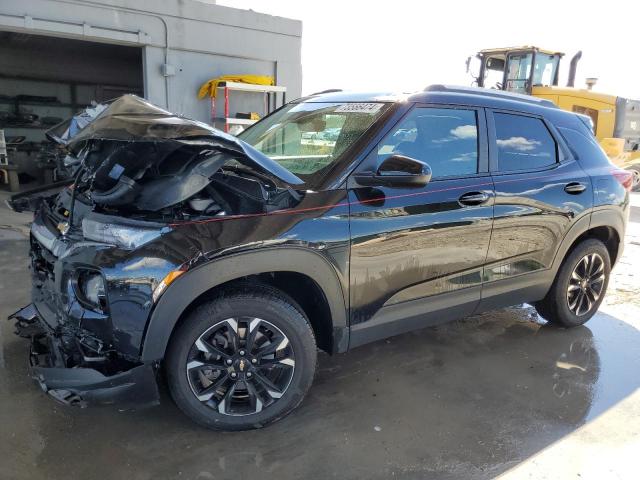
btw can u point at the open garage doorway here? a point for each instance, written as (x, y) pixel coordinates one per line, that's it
(44, 80)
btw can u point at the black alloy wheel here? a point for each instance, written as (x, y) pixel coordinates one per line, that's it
(586, 284)
(241, 360)
(579, 286)
(240, 366)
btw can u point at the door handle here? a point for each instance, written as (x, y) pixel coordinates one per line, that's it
(473, 198)
(574, 188)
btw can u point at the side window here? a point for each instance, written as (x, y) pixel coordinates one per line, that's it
(518, 72)
(523, 143)
(444, 138)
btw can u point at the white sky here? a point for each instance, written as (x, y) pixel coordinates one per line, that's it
(404, 45)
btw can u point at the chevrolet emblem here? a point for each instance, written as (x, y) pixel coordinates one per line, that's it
(241, 365)
(63, 227)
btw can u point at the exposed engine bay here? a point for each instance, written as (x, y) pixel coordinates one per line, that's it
(189, 182)
(141, 162)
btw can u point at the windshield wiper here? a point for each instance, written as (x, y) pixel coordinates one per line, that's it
(252, 173)
(294, 194)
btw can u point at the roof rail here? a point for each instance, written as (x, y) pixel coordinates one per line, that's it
(329, 90)
(491, 93)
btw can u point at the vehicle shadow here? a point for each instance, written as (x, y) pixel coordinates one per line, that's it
(468, 399)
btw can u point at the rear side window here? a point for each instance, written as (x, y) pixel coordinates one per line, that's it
(585, 148)
(592, 112)
(523, 143)
(444, 138)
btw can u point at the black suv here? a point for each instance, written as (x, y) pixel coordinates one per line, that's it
(338, 220)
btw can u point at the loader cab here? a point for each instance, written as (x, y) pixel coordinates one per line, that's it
(518, 69)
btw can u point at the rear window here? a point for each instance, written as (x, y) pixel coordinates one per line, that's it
(523, 143)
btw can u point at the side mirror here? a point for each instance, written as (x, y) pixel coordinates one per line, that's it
(397, 171)
(473, 65)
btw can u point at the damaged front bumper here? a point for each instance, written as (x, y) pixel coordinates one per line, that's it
(81, 385)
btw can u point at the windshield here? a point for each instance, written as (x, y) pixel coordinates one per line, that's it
(308, 138)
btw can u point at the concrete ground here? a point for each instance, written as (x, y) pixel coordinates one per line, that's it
(495, 394)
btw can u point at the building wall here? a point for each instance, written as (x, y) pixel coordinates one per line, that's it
(198, 40)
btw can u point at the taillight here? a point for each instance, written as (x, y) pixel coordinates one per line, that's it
(625, 178)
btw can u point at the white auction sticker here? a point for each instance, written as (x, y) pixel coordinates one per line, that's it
(359, 107)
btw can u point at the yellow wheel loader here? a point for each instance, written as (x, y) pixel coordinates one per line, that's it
(534, 71)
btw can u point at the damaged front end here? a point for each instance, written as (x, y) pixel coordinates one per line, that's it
(77, 354)
(74, 373)
(96, 270)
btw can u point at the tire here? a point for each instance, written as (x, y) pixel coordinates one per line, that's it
(556, 307)
(266, 387)
(635, 171)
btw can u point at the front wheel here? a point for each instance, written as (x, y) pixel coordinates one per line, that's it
(242, 360)
(579, 286)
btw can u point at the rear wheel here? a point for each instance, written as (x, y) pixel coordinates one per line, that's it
(579, 287)
(242, 360)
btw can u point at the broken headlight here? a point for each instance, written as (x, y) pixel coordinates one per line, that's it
(90, 289)
(123, 236)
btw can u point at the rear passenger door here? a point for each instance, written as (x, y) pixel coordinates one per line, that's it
(541, 190)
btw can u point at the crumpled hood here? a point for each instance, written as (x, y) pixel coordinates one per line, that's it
(64, 131)
(132, 119)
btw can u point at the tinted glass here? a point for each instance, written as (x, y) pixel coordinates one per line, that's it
(585, 147)
(445, 138)
(523, 143)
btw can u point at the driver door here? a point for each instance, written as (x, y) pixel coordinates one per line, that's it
(417, 254)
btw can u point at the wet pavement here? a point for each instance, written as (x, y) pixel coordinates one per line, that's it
(472, 399)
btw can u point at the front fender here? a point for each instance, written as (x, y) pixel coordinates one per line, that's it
(188, 287)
